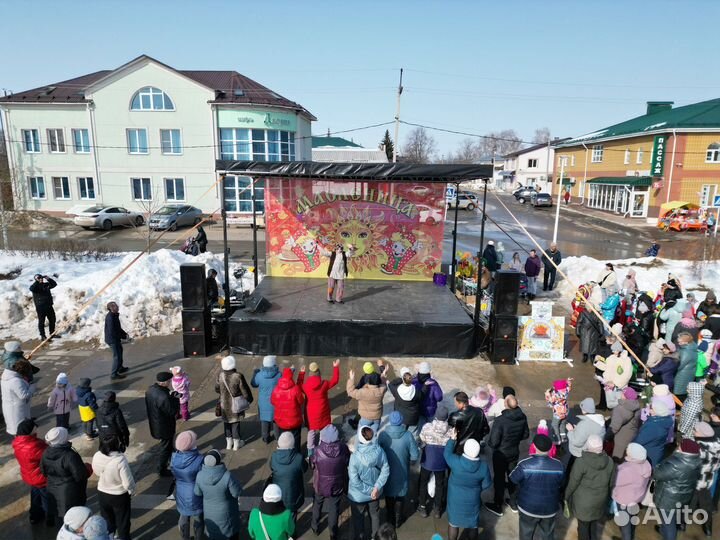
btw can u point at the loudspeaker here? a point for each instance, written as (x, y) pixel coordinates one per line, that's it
(507, 292)
(504, 326)
(504, 351)
(196, 344)
(193, 285)
(257, 304)
(195, 320)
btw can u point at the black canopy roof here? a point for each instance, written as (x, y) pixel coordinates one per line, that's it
(385, 172)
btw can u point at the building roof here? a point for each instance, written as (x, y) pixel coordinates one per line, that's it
(697, 116)
(622, 180)
(230, 87)
(521, 151)
(349, 155)
(336, 142)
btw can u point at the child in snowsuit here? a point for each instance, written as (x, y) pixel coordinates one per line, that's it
(61, 400)
(557, 398)
(87, 404)
(181, 385)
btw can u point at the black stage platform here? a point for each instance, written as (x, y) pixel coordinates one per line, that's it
(378, 318)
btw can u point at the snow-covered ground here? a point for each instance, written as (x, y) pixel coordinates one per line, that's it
(148, 293)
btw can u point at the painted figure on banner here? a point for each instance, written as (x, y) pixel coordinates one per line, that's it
(401, 248)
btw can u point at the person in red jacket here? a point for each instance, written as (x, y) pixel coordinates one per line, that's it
(28, 452)
(318, 405)
(288, 400)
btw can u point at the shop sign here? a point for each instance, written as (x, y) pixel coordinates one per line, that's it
(239, 118)
(657, 160)
(657, 185)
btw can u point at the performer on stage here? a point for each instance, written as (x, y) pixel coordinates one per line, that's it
(337, 272)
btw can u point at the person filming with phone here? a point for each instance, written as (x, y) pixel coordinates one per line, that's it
(42, 297)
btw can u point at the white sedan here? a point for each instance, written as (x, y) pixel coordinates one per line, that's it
(107, 217)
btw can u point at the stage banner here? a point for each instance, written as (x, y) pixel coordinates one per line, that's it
(541, 336)
(396, 229)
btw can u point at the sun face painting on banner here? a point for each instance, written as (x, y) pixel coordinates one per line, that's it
(396, 230)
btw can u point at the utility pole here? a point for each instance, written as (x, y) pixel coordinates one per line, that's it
(397, 118)
(557, 209)
(547, 167)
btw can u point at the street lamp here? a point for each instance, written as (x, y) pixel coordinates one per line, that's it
(563, 159)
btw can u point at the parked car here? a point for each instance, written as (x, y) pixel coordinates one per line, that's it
(429, 215)
(172, 216)
(107, 217)
(466, 201)
(540, 199)
(524, 194)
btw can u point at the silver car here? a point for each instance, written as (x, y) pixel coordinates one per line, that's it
(107, 217)
(172, 216)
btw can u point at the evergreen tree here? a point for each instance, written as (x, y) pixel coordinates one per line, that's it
(388, 145)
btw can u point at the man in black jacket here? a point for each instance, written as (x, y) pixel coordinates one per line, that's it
(507, 431)
(162, 407)
(111, 421)
(114, 334)
(43, 299)
(553, 254)
(213, 292)
(469, 422)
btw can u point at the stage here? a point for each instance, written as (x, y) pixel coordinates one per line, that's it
(378, 318)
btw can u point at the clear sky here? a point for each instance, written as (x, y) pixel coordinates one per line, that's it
(469, 66)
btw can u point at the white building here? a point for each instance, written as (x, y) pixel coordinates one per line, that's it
(532, 166)
(146, 133)
(336, 149)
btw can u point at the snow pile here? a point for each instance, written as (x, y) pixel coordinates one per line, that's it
(148, 293)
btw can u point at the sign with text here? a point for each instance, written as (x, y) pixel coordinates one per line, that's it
(242, 118)
(657, 159)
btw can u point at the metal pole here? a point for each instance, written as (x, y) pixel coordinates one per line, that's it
(254, 228)
(454, 243)
(547, 167)
(557, 204)
(397, 118)
(226, 262)
(482, 241)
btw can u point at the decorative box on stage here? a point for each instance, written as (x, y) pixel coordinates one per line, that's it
(440, 279)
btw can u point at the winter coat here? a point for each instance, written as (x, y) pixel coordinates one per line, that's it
(162, 409)
(490, 257)
(368, 469)
(61, 400)
(645, 320)
(287, 468)
(629, 285)
(713, 324)
(664, 372)
(181, 385)
(9, 358)
(265, 379)
(539, 480)
(691, 410)
(609, 307)
(400, 449)
(707, 305)
(624, 425)
(432, 395)
(219, 491)
(709, 461)
(672, 316)
(111, 421)
(507, 431)
(588, 424)
(470, 423)
(330, 472)
(554, 256)
(42, 297)
(588, 489)
(532, 266)
(185, 467)
(631, 482)
(87, 403)
(237, 386)
(468, 479)
(288, 399)
(589, 329)
(676, 479)
(316, 396)
(28, 452)
(687, 355)
(16, 396)
(607, 279)
(114, 333)
(279, 526)
(407, 401)
(114, 474)
(66, 534)
(653, 436)
(617, 370)
(67, 478)
(369, 398)
(434, 436)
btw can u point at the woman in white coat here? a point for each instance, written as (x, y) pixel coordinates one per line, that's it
(16, 394)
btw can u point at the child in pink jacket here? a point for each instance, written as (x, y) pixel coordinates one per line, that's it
(181, 385)
(61, 400)
(557, 398)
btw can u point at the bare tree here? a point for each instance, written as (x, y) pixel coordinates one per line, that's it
(420, 146)
(147, 208)
(467, 152)
(542, 135)
(499, 142)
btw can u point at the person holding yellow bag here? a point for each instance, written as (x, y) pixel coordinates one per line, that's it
(87, 404)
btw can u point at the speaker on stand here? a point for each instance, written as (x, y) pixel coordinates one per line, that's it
(196, 312)
(504, 320)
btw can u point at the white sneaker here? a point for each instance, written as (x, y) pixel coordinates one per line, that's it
(238, 444)
(228, 443)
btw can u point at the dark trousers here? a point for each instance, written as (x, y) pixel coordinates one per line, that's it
(454, 533)
(38, 504)
(198, 526)
(357, 511)
(502, 467)
(48, 313)
(232, 430)
(333, 511)
(587, 530)
(549, 278)
(117, 352)
(439, 500)
(166, 450)
(115, 509)
(668, 531)
(89, 427)
(265, 430)
(529, 524)
(62, 420)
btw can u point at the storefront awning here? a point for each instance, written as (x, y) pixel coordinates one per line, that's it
(565, 181)
(637, 181)
(507, 173)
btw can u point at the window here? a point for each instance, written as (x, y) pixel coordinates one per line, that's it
(56, 140)
(37, 187)
(150, 98)
(81, 141)
(639, 156)
(86, 188)
(141, 189)
(572, 160)
(175, 189)
(239, 199)
(170, 142)
(257, 144)
(532, 163)
(597, 153)
(707, 194)
(712, 156)
(61, 188)
(31, 138)
(137, 141)
(627, 157)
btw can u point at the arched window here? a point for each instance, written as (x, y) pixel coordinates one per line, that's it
(150, 98)
(713, 153)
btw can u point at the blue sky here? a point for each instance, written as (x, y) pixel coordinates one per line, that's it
(470, 66)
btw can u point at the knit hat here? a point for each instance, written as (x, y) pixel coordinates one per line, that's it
(706, 333)
(76, 517)
(187, 440)
(26, 427)
(395, 418)
(630, 393)
(424, 368)
(689, 446)
(62, 378)
(163, 376)
(373, 379)
(670, 346)
(616, 329)
(272, 493)
(441, 413)
(329, 434)
(594, 444)
(286, 440)
(471, 449)
(660, 390)
(13, 346)
(85, 382)
(228, 363)
(659, 408)
(588, 405)
(509, 391)
(176, 370)
(368, 368)
(491, 243)
(404, 370)
(212, 458)
(559, 385)
(270, 360)
(110, 396)
(313, 367)
(702, 430)
(542, 443)
(636, 452)
(57, 436)
(95, 528)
